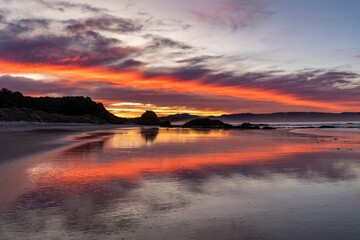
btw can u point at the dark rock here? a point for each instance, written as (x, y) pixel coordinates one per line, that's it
(206, 123)
(149, 118)
(248, 126)
(268, 128)
(166, 123)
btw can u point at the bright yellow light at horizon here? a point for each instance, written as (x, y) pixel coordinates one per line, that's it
(129, 109)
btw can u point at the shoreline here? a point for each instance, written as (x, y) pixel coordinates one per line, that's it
(23, 144)
(25, 139)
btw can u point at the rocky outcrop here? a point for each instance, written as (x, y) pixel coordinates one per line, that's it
(206, 123)
(217, 124)
(248, 126)
(149, 118)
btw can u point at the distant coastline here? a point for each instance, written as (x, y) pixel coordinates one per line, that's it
(274, 117)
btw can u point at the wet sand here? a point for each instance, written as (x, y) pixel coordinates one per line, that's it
(25, 139)
(150, 183)
(22, 144)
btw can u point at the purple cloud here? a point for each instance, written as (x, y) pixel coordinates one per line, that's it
(86, 47)
(235, 14)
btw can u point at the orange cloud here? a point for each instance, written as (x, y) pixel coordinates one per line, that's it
(135, 79)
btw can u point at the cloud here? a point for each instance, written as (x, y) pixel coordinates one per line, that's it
(28, 85)
(18, 42)
(234, 14)
(197, 60)
(111, 93)
(64, 5)
(2, 15)
(104, 23)
(255, 91)
(163, 42)
(94, 62)
(321, 85)
(22, 26)
(129, 64)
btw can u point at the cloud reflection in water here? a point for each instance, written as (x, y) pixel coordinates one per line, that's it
(138, 183)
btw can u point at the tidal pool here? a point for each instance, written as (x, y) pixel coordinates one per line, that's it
(186, 184)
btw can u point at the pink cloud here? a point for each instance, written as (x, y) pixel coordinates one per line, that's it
(235, 14)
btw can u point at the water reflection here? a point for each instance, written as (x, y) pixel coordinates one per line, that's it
(149, 134)
(186, 184)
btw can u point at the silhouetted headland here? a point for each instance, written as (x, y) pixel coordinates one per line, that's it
(14, 106)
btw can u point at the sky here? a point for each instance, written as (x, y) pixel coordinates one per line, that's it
(205, 57)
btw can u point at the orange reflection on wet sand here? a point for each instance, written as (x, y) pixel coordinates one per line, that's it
(78, 169)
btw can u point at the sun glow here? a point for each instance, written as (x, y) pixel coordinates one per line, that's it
(128, 109)
(167, 83)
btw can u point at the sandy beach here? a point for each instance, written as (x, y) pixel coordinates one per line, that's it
(78, 181)
(22, 139)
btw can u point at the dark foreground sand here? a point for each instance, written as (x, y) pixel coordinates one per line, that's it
(21, 139)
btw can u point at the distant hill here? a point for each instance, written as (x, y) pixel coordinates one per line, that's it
(293, 117)
(274, 117)
(14, 106)
(180, 117)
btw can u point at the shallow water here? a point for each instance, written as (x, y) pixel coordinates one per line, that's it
(186, 184)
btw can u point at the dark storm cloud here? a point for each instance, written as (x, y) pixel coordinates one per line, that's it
(65, 5)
